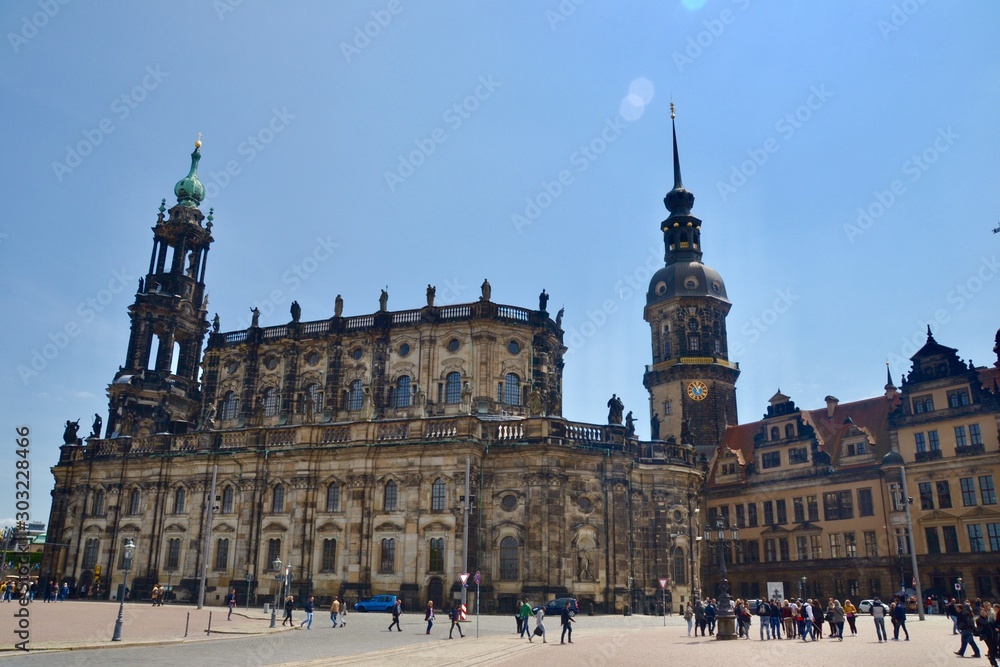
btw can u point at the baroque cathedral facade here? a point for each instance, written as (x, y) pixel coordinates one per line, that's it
(389, 452)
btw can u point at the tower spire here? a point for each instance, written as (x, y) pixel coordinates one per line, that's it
(678, 201)
(678, 184)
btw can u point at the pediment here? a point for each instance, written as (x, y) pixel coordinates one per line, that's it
(92, 528)
(436, 527)
(775, 530)
(223, 528)
(936, 516)
(175, 528)
(388, 527)
(808, 529)
(275, 527)
(131, 528)
(980, 512)
(329, 527)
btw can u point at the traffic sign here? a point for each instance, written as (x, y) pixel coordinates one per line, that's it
(958, 587)
(663, 582)
(464, 577)
(477, 578)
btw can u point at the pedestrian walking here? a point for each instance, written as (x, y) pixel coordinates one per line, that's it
(231, 601)
(154, 595)
(567, 621)
(775, 619)
(878, 614)
(987, 630)
(711, 615)
(456, 616)
(689, 617)
(806, 626)
(850, 612)
(525, 613)
(335, 611)
(951, 611)
(308, 606)
(837, 617)
(397, 609)
(699, 618)
(429, 615)
(899, 621)
(966, 626)
(289, 605)
(539, 630)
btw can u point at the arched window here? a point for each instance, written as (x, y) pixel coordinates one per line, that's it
(387, 564)
(775, 433)
(312, 391)
(179, 498)
(230, 406)
(511, 389)
(328, 563)
(355, 396)
(333, 498)
(97, 508)
(680, 568)
(789, 430)
(278, 498)
(437, 495)
(227, 500)
(508, 559)
(270, 402)
(222, 553)
(437, 555)
(453, 388)
(391, 496)
(133, 502)
(402, 397)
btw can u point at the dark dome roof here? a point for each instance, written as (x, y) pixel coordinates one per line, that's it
(686, 279)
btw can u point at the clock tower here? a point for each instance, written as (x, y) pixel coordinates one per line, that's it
(691, 382)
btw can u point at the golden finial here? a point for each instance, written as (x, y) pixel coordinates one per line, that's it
(673, 112)
(197, 144)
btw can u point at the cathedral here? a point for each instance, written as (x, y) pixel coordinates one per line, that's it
(390, 452)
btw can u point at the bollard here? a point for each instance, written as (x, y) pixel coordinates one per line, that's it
(209, 630)
(187, 623)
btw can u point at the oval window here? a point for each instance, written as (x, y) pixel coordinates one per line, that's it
(453, 345)
(513, 347)
(404, 349)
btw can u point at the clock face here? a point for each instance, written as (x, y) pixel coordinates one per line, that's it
(697, 390)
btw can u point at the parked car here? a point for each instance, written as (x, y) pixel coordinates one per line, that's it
(555, 607)
(376, 603)
(865, 606)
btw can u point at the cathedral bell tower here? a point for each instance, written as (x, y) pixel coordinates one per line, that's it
(691, 382)
(157, 390)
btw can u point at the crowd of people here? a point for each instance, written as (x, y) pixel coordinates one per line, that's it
(14, 590)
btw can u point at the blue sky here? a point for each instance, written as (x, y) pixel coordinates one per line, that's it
(844, 157)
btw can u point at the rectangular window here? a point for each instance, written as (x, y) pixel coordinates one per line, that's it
(950, 539)
(668, 408)
(960, 436)
(838, 505)
(173, 553)
(90, 553)
(987, 491)
(921, 443)
(752, 515)
(812, 505)
(865, 505)
(816, 546)
(769, 552)
(768, 513)
(975, 435)
(875, 587)
(933, 443)
(770, 460)
(933, 541)
(871, 544)
(944, 494)
(968, 491)
(741, 516)
(752, 551)
(850, 545)
(902, 543)
(798, 510)
(838, 588)
(783, 549)
(724, 511)
(926, 496)
(975, 537)
(273, 553)
(437, 555)
(782, 511)
(957, 399)
(329, 561)
(801, 548)
(993, 532)
(853, 588)
(222, 553)
(387, 564)
(836, 546)
(798, 455)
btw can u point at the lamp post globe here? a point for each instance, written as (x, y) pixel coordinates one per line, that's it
(277, 581)
(128, 552)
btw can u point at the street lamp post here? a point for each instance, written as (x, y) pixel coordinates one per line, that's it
(902, 575)
(892, 461)
(128, 553)
(802, 588)
(277, 582)
(249, 579)
(961, 590)
(723, 537)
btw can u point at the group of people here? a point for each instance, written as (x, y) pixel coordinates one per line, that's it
(975, 619)
(159, 594)
(14, 590)
(524, 613)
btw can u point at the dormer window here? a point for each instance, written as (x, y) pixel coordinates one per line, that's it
(923, 404)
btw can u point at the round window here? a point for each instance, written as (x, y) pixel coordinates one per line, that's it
(585, 504)
(271, 363)
(232, 365)
(716, 286)
(357, 353)
(453, 345)
(508, 502)
(404, 349)
(691, 282)
(513, 347)
(661, 288)
(312, 358)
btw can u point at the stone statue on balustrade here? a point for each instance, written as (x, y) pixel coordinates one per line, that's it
(96, 428)
(338, 306)
(615, 410)
(69, 435)
(431, 293)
